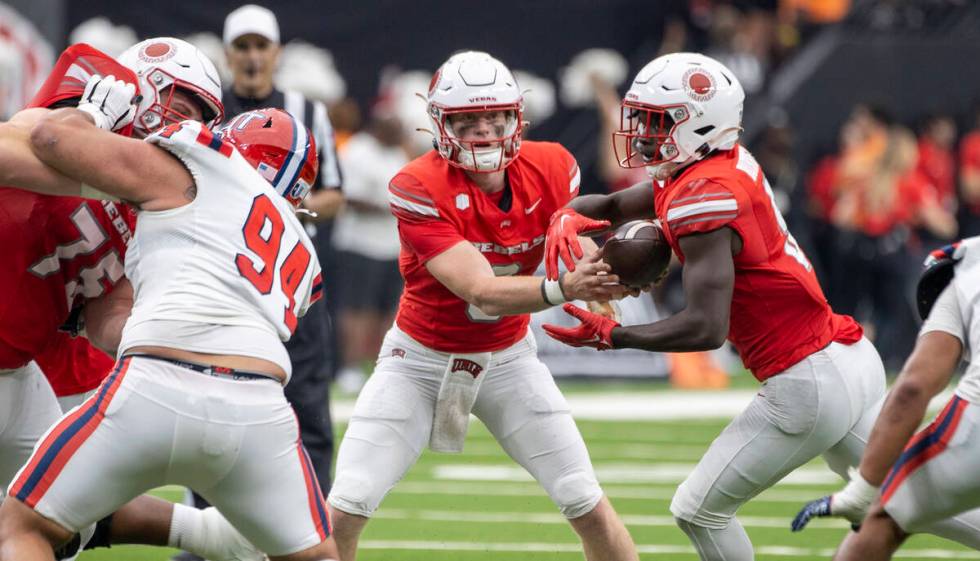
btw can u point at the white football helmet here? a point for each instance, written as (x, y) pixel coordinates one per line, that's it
(162, 62)
(680, 108)
(471, 82)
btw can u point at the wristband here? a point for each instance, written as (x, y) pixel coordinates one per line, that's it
(552, 292)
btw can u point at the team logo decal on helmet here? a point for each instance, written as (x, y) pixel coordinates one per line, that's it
(158, 51)
(699, 84)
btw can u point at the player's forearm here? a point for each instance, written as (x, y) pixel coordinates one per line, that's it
(901, 415)
(633, 203)
(105, 332)
(53, 139)
(21, 168)
(686, 331)
(505, 296)
(106, 315)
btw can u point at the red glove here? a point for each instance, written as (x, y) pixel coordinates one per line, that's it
(594, 331)
(563, 232)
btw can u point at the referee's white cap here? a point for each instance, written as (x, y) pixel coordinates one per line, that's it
(251, 19)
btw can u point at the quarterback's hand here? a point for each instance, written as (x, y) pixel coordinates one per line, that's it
(562, 239)
(592, 280)
(852, 503)
(594, 331)
(110, 102)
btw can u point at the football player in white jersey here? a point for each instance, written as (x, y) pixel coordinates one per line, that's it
(911, 482)
(176, 82)
(221, 268)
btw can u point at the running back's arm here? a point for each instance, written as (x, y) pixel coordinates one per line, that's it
(633, 203)
(19, 167)
(133, 170)
(709, 281)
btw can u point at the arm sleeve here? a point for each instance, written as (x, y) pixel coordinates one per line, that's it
(701, 206)
(421, 226)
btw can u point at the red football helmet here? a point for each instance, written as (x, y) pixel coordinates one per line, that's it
(279, 146)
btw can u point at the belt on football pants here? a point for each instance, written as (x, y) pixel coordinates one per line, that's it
(210, 370)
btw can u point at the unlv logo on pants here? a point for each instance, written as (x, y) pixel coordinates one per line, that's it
(462, 364)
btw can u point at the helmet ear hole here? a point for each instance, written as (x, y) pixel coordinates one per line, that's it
(704, 130)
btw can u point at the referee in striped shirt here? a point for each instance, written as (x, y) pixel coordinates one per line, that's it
(251, 38)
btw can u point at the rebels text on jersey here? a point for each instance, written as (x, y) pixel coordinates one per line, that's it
(779, 314)
(60, 252)
(438, 206)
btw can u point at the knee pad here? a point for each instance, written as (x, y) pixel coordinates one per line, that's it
(355, 493)
(687, 508)
(576, 494)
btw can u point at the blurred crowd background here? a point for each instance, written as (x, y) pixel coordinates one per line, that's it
(865, 115)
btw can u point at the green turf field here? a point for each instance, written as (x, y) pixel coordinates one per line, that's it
(480, 506)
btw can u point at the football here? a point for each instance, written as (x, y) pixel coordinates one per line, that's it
(638, 253)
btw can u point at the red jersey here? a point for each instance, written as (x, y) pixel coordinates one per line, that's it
(779, 314)
(60, 251)
(437, 206)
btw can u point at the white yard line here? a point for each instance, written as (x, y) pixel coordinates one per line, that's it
(661, 472)
(646, 493)
(556, 518)
(776, 551)
(664, 405)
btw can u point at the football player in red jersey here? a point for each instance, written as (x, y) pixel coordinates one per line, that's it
(745, 278)
(68, 263)
(472, 215)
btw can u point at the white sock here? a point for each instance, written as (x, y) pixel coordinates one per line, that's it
(208, 534)
(186, 527)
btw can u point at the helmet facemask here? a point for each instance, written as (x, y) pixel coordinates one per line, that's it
(645, 136)
(160, 111)
(482, 155)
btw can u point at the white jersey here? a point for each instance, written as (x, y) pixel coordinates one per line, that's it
(957, 312)
(228, 273)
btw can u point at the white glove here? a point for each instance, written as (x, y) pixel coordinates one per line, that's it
(851, 502)
(110, 102)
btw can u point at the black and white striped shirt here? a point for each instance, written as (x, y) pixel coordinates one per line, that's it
(314, 116)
